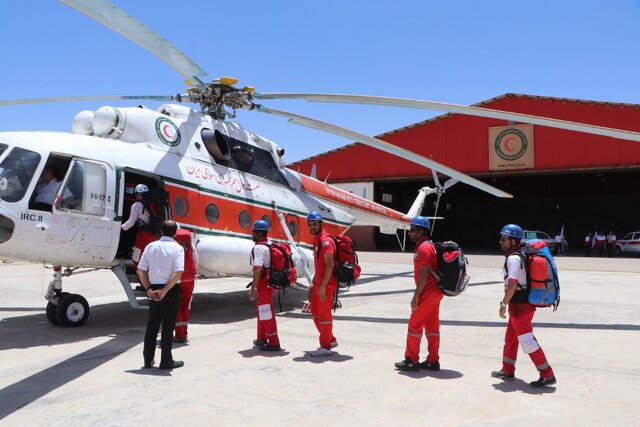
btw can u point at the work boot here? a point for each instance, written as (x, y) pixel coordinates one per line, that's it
(258, 342)
(334, 343)
(407, 365)
(435, 366)
(503, 375)
(267, 347)
(543, 382)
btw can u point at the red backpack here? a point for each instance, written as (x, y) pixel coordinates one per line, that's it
(347, 269)
(282, 272)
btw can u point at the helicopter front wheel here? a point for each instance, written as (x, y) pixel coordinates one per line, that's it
(71, 310)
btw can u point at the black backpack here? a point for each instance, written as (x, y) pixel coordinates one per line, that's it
(452, 274)
(155, 202)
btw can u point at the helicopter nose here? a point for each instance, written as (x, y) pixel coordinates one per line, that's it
(6, 228)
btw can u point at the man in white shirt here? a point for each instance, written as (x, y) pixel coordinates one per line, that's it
(559, 244)
(159, 270)
(267, 335)
(520, 326)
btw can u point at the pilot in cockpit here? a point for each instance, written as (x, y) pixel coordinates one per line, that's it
(47, 188)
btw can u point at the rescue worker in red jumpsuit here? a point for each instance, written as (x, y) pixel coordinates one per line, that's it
(425, 304)
(520, 328)
(324, 285)
(140, 215)
(260, 291)
(187, 283)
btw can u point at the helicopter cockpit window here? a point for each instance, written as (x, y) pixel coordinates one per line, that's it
(243, 158)
(16, 172)
(256, 161)
(85, 189)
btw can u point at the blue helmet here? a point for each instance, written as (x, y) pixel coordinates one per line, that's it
(260, 225)
(512, 230)
(421, 221)
(314, 216)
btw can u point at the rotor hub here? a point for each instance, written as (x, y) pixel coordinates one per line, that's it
(215, 96)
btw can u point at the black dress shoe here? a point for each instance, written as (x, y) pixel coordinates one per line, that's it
(148, 365)
(175, 364)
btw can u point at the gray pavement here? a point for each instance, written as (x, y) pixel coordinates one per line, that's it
(92, 375)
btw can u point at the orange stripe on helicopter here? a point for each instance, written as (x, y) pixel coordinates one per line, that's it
(345, 198)
(194, 204)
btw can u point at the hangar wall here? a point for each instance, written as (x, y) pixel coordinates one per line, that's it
(582, 181)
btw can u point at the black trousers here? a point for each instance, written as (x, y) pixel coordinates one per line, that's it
(164, 311)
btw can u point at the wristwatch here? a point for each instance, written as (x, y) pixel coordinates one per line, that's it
(502, 304)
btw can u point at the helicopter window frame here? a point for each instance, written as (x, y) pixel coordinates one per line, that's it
(181, 207)
(212, 217)
(244, 219)
(84, 189)
(262, 163)
(17, 171)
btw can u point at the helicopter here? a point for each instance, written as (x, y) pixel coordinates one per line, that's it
(209, 173)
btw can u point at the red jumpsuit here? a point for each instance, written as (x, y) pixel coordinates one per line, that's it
(187, 283)
(143, 238)
(267, 329)
(427, 316)
(321, 310)
(520, 327)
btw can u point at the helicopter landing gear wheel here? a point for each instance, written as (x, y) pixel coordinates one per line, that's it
(51, 313)
(51, 310)
(72, 310)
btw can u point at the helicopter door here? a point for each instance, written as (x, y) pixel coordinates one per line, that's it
(85, 202)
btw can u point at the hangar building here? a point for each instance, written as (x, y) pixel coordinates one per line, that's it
(557, 177)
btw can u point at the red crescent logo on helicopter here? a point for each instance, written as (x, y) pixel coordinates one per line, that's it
(167, 131)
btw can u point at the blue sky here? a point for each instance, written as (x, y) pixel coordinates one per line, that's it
(450, 51)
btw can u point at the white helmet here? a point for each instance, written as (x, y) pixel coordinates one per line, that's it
(141, 188)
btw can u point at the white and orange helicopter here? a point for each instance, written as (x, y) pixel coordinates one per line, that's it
(214, 177)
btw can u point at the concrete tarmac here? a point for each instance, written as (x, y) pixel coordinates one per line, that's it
(92, 375)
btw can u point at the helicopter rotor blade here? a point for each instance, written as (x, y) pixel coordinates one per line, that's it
(449, 183)
(455, 108)
(85, 98)
(119, 21)
(435, 178)
(384, 146)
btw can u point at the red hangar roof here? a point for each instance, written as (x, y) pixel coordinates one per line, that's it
(462, 142)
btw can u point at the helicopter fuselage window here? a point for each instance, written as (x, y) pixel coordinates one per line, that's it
(293, 227)
(181, 207)
(244, 219)
(212, 213)
(16, 173)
